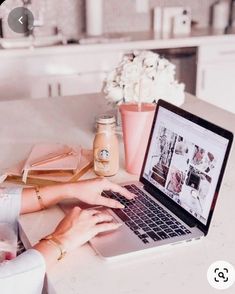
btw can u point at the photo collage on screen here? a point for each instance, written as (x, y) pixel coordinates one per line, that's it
(183, 171)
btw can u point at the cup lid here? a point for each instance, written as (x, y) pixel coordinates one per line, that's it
(106, 119)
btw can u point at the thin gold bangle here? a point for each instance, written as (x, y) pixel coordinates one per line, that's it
(39, 198)
(54, 241)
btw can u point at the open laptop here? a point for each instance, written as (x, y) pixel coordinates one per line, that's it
(178, 186)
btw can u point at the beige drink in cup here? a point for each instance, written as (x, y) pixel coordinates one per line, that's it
(105, 147)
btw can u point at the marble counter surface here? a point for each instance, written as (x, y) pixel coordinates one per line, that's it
(132, 41)
(175, 269)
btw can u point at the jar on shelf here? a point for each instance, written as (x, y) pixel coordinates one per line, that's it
(106, 147)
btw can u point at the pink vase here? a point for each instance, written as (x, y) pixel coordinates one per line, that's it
(136, 126)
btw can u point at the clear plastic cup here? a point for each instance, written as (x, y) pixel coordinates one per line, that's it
(8, 242)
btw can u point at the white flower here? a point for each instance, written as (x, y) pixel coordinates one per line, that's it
(151, 60)
(131, 72)
(143, 77)
(114, 93)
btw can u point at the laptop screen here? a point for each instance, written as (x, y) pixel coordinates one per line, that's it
(184, 162)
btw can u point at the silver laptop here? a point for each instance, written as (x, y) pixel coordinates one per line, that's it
(178, 186)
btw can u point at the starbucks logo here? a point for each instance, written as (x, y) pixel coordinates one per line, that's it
(104, 154)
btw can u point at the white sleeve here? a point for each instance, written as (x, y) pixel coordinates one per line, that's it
(10, 204)
(24, 274)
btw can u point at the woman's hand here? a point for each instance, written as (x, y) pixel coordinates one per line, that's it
(89, 191)
(79, 226)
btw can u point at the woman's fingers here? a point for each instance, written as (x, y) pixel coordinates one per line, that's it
(97, 216)
(91, 211)
(118, 189)
(102, 217)
(109, 202)
(76, 210)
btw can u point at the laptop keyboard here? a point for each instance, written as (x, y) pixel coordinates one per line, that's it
(148, 220)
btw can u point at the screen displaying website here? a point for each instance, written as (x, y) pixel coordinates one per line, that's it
(184, 162)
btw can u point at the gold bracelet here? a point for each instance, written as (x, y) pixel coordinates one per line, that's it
(54, 241)
(39, 198)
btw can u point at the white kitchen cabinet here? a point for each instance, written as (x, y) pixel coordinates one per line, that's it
(53, 75)
(89, 82)
(51, 86)
(216, 75)
(23, 88)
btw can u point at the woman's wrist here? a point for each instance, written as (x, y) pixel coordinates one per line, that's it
(55, 193)
(53, 248)
(58, 243)
(48, 251)
(34, 199)
(71, 189)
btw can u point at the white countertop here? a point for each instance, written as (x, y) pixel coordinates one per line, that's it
(138, 40)
(178, 269)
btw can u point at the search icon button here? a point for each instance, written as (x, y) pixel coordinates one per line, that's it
(221, 275)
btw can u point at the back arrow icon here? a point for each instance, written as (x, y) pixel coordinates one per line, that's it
(20, 19)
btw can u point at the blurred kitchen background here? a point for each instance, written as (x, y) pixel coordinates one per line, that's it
(118, 16)
(76, 42)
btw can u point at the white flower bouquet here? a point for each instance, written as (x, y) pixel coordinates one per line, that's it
(143, 77)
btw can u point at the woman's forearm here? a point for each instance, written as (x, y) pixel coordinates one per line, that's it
(50, 195)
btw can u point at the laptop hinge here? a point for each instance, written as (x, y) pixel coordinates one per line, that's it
(173, 207)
